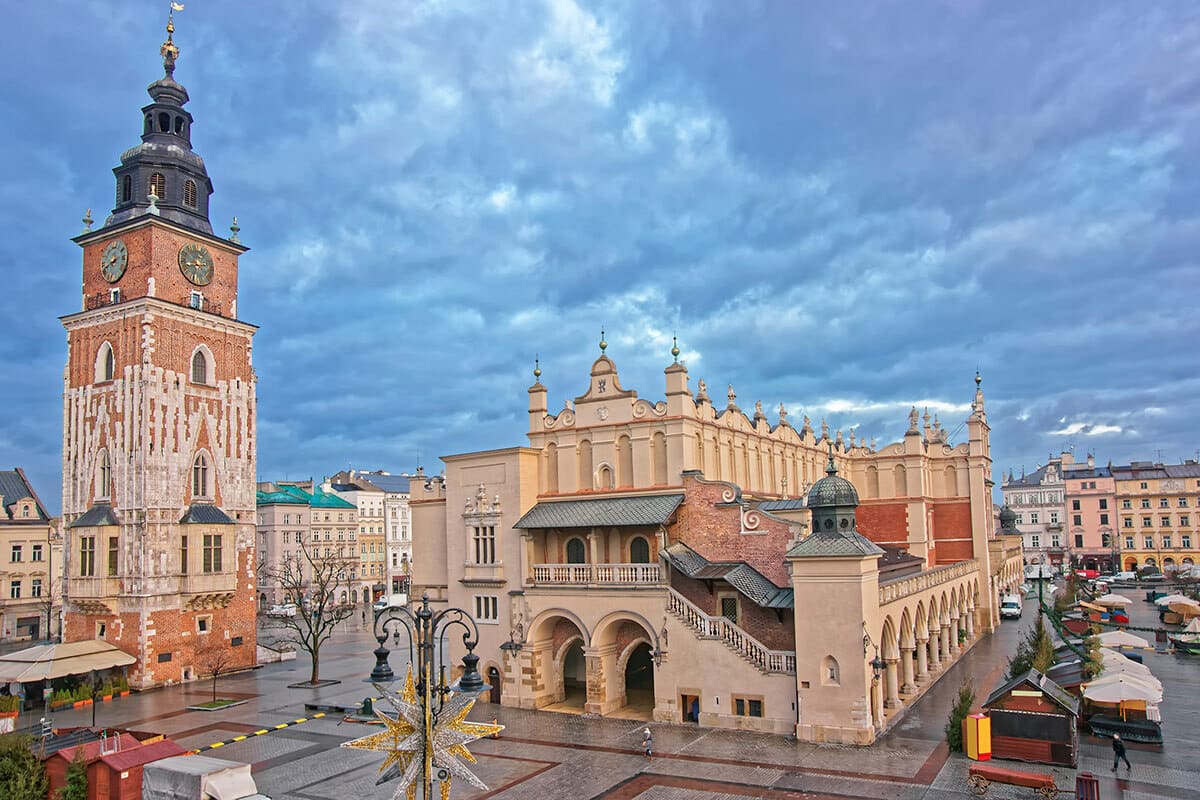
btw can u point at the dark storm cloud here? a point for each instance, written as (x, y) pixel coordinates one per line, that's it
(844, 209)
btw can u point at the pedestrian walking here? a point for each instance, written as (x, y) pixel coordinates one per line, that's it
(364, 615)
(648, 744)
(1119, 752)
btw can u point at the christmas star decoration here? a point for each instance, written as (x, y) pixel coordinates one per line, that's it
(404, 739)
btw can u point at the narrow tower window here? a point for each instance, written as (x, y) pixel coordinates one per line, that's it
(179, 125)
(104, 476)
(200, 476)
(126, 189)
(189, 193)
(159, 184)
(199, 367)
(106, 365)
(164, 122)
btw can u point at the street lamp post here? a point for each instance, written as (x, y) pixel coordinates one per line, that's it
(426, 629)
(95, 676)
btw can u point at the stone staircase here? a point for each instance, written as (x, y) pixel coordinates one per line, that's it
(722, 629)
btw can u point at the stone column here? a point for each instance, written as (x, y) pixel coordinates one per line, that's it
(594, 552)
(529, 555)
(970, 620)
(935, 649)
(908, 685)
(944, 642)
(597, 691)
(877, 705)
(891, 677)
(923, 660)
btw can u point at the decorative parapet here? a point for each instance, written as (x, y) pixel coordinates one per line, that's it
(903, 587)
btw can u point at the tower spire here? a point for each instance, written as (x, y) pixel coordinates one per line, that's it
(169, 51)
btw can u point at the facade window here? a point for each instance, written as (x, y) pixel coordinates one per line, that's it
(1147, 522)
(1148, 542)
(1074, 505)
(14, 590)
(729, 608)
(1020, 519)
(196, 301)
(1078, 519)
(1127, 522)
(1165, 522)
(1166, 539)
(212, 552)
(1145, 502)
(1035, 541)
(575, 551)
(158, 185)
(1104, 519)
(639, 550)
(1184, 521)
(189, 193)
(183, 555)
(1183, 502)
(87, 556)
(487, 608)
(112, 556)
(1055, 541)
(1144, 485)
(16, 553)
(748, 706)
(1079, 540)
(1053, 517)
(1128, 542)
(1185, 540)
(1126, 504)
(1164, 502)
(200, 476)
(287, 537)
(36, 555)
(1033, 518)
(1105, 540)
(199, 367)
(35, 588)
(1103, 503)
(104, 487)
(485, 544)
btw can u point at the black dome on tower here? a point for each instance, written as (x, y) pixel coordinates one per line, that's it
(832, 501)
(164, 164)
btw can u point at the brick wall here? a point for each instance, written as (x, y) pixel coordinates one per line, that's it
(714, 531)
(952, 532)
(884, 523)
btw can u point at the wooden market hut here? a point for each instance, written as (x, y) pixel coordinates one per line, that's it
(1034, 719)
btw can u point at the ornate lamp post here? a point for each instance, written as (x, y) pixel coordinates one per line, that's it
(430, 726)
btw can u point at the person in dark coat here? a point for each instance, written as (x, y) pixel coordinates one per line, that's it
(1119, 752)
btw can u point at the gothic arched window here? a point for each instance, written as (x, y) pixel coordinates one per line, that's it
(575, 551)
(104, 476)
(200, 476)
(106, 363)
(200, 366)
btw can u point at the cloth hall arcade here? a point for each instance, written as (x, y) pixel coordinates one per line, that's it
(676, 561)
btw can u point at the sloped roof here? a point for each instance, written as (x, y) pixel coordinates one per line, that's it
(738, 574)
(793, 504)
(602, 512)
(139, 756)
(99, 514)
(1039, 681)
(326, 500)
(831, 544)
(389, 483)
(206, 514)
(284, 495)
(14, 486)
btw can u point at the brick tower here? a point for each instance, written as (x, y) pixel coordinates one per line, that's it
(159, 418)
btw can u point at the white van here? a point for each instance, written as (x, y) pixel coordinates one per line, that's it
(1010, 606)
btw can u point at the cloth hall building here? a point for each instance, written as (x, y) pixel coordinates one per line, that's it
(676, 561)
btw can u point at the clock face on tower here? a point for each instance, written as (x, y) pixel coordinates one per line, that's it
(196, 263)
(114, 260)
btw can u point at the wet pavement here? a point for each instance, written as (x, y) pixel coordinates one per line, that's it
(549, 755)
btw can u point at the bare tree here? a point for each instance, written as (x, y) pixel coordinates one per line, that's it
(49, 600)
(217, 659)
(318, 587)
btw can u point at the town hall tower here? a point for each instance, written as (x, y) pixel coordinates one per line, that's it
(159, 418)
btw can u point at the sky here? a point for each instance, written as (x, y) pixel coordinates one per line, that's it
(847, 208)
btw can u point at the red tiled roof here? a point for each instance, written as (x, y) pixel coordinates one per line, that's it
(91, 750)
(138, 756)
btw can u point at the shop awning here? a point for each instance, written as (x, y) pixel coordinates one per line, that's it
(49, 661)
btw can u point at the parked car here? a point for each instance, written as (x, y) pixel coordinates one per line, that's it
(1010, 606)
(1154, 577)
(282, 610)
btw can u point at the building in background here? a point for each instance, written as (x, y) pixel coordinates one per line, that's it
(1157, 505)
(1091, 516)
(1038, 501)
(159, 415)
(31, 562)
(397, 524)
(371, 578)
(299, 523)
(676, 561)
(283, 528)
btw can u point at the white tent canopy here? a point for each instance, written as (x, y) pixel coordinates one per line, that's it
(1120, 689)
(1112, 600)
(49, 661)
(1171, 598)
(1193, 626)
(1121, 639)
(1142, 679)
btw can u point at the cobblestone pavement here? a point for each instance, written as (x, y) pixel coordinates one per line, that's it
(546, 755)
